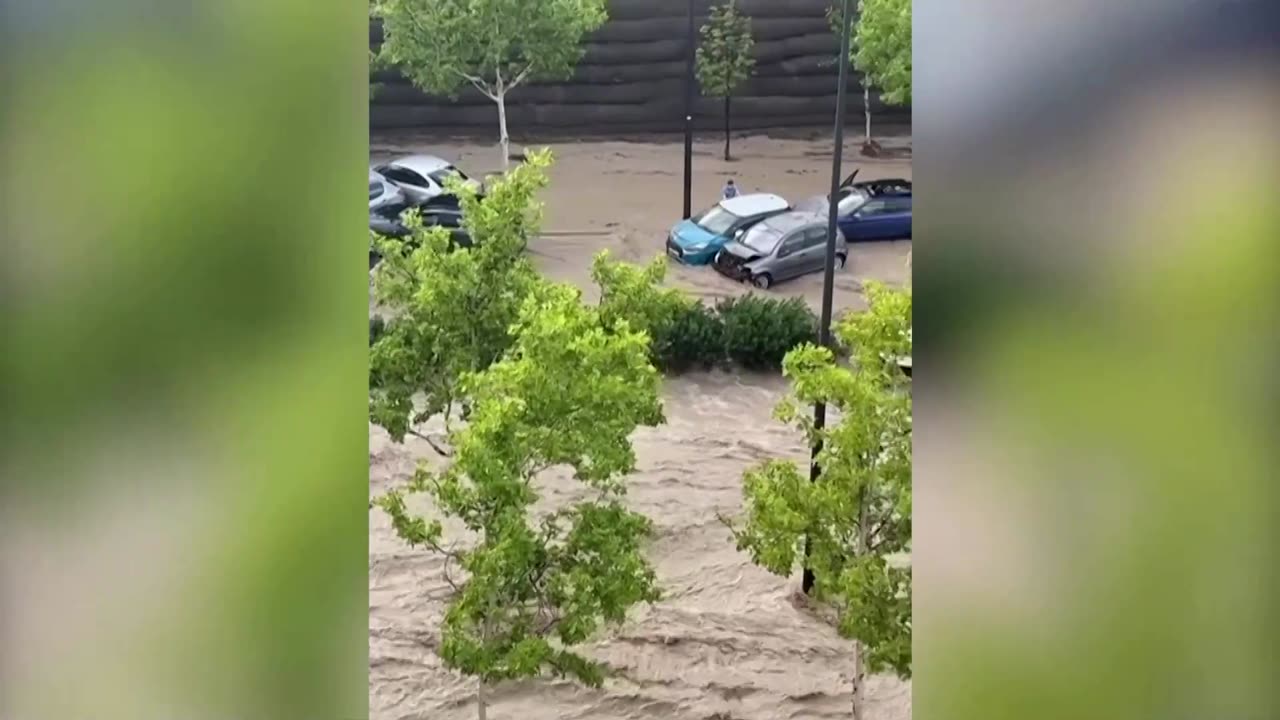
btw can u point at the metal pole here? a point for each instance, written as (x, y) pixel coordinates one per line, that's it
(691, 40)
(828, 278)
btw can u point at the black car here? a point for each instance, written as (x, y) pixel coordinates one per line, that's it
(388, 221)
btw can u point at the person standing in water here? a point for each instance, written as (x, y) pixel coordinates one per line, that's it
(730, 190)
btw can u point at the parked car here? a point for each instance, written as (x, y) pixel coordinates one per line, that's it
(389, 221)
(874, 209)
(697, 240)
(779, 248)
(383, 192)
(421, 177)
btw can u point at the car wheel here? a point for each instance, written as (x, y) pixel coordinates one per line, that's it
(840, 260)
(762, 281)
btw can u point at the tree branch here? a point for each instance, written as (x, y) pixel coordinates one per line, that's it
(521, 77)
(432, 442)
(478, 83)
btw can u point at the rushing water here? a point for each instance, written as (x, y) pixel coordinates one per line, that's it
(729, 641)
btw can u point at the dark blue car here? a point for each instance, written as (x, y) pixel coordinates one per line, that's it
(875, 209)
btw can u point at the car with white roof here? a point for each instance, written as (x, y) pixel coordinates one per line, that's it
(422, 177)
(697, 240)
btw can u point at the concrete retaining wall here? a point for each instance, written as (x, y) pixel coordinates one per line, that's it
(631, 79)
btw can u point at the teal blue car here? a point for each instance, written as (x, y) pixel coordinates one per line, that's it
(697, 240)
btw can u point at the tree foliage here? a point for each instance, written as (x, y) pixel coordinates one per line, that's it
(856, 516)
(569, 393)
(881, 47)
(549, 382)
(442, 45)
(724, 57)
(454, 308)
(493, 45)
(752, 331)
(634, 294)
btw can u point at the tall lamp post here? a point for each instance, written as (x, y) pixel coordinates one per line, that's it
(691, 40)
(828, 277)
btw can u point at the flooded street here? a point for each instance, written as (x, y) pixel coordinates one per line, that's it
(728, 641)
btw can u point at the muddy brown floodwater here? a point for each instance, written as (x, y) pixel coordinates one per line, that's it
(728, 641)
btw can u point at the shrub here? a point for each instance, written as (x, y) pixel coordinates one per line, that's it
(759, 331)
(694, 339)
(634, 293)
(377, 326)
(752, 331)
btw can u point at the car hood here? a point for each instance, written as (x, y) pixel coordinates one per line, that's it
(688, 233)
(742, 252)
(817, 204)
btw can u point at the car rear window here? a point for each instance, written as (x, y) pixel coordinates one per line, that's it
(444, 172)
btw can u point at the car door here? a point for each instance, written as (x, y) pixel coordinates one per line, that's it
(814, 251)
(897, 218)
(789, 262)
(870, 220)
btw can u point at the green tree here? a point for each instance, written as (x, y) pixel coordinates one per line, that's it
(881, 51)
(856, 516)
(493, 45)
(452, 309)
(882, 47)
(724, 59)
(569, 393)
(634, 294)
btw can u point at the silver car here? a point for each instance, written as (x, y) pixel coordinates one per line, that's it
(383, 193)
(421, 177)
(780, 248)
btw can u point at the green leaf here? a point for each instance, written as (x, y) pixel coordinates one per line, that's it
(549, 381)
(856, 516)
(881, 46)
(724, 55)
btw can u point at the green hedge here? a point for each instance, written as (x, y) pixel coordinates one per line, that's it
(694, 339)
(760, 331)
(752, 331)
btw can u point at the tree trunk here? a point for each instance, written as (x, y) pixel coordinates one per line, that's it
(861, 546)
(504, 141)
(859, 683)
(728, 103)
(483, 711)
(866, 107)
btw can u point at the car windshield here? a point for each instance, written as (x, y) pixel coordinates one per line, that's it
(817, 205)
(375, 189)
(851, 199)
(762, 239)
(444, 172)
(716, 220)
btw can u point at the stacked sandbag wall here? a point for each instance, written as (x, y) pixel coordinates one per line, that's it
(631, 79)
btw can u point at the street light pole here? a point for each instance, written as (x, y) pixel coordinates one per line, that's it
(828, 277)
(691, 40)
